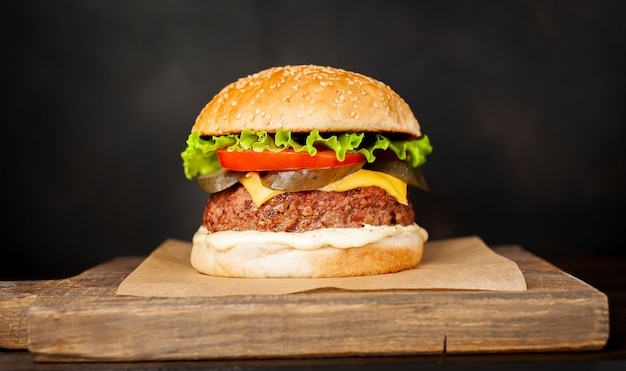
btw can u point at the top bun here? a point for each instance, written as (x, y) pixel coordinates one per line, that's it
(305, 98)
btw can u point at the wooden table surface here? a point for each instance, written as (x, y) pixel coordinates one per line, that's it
(607, 274)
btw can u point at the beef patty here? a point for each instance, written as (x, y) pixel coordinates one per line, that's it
(234, 210)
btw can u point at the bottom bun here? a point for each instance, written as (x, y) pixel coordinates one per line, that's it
(399, 251)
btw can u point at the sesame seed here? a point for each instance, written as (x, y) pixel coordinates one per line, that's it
(238, 116)
(233, 103)
(309, 112)
(299, 116)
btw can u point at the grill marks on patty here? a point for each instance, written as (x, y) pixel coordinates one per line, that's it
(233, 210)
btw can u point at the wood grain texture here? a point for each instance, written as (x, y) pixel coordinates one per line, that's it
(557, 313)
(17, 296)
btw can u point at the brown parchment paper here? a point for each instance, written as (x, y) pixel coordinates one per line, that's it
(464, 263)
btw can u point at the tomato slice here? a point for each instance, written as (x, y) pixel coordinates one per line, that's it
(287, 159)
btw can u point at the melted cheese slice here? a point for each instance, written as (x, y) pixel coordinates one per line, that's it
(258, 192)
(362, 178)
(368, 178)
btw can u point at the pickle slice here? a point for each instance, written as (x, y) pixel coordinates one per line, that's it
(413, 176)
(219, 180)
(307, 179)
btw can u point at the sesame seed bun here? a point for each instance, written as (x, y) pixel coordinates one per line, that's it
(304, 98)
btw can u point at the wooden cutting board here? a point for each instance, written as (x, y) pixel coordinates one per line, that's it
(81, 319)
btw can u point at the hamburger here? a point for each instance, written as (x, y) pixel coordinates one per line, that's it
(308, 169)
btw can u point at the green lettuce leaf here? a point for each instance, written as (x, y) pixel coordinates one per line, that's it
(200, 156)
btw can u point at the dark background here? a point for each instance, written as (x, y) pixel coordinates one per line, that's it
(522, 100)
